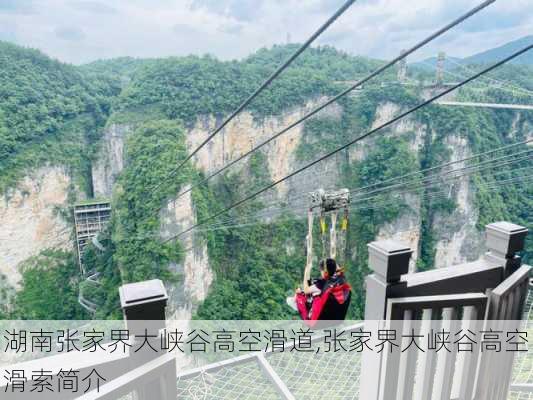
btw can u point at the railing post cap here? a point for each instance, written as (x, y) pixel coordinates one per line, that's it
(505, 238)
(144, 300)
(389, 259)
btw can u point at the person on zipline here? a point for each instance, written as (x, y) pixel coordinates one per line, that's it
(328, 274)
(328, 297)
(312, 300)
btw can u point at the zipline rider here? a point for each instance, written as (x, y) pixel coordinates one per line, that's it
(328, 297)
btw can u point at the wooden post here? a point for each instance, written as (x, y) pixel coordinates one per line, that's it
(388, 260)
(504, 240)
(142, 302)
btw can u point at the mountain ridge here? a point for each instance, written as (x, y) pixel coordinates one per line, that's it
(487, 56)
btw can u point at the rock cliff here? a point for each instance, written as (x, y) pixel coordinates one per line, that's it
(31, 221)
(33, 218)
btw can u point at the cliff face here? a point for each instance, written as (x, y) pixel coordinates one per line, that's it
(194, 271)
(458, 240)
(31, 220)
(237, 138)
(405, 228)
(244, 133)
(110, 159)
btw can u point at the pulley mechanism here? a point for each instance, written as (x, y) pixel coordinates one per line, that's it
(329, 203)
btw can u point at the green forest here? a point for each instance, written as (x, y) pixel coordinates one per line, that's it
(57, 113)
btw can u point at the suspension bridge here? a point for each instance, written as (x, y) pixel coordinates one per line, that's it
(526, 107)
(490, 82)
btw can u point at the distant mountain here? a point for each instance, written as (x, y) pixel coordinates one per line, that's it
(498, 53)
(485, 57)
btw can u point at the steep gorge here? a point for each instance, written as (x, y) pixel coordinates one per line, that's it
(440, 233)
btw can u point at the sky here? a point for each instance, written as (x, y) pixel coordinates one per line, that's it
(80, 31)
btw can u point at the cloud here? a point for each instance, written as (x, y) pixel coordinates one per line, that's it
(17, 6)
(69, 33)
(8, 32)
(187, 30)
(241, 10)
(94, 7)
(232, 29)
(494, 21)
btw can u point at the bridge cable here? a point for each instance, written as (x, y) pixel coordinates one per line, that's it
(509, 85)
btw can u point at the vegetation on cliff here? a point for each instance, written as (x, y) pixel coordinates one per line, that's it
(49, 288)
(49, 112)
(53, 111)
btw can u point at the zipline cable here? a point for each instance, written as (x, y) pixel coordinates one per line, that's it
(474, 168)
(367, 134)
(257, 218)
(409, 187)
(426, 182)
(422, 171)
(266, 83)
(451, 163)
(334, 99)
(432, 196)
(385, 203)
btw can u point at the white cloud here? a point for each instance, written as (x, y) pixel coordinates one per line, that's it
(235, 28)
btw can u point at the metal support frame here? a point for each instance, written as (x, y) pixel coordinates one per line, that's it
(89, 220)
(274, 378)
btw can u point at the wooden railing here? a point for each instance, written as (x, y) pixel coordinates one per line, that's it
(492, 288)
(147, 374)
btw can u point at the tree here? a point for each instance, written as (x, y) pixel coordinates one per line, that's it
(49, 288)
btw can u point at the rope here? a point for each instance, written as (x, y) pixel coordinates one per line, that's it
(422, 171)
(259, 219)
(427, 181)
